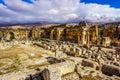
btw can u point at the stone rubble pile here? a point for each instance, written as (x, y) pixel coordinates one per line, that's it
(77, 68)
(73, 62)
(71, 49)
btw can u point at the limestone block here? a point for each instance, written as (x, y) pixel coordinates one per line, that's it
(51, 74)
(111, 70)
(56, 71)
(78, 52)
(59, 54)
(73, 49)
(76, 60)
(88, 63)
(64, 67)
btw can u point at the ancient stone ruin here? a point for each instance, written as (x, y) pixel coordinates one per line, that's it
(59, 52)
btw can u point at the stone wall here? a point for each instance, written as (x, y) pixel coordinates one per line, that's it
(79, 34)
(82, 33)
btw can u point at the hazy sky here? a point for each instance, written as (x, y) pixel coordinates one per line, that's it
(58, 11)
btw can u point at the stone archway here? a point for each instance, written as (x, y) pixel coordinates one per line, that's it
(53, 35)
(10, 36)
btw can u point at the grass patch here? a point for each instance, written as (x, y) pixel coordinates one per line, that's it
(16, 60)
(12, 68)
(15, 66)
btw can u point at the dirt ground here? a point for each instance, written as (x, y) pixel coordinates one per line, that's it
(20, 56)
(21, 48)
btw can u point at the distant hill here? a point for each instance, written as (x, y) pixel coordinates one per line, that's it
(42, 23)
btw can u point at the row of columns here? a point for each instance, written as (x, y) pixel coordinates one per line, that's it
(58, 34)
(83, 36)
(36, 34)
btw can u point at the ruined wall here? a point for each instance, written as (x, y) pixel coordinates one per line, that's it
(106, 41)
(19, 34)
(93, 33)
(79, 34)
(82, 33)
(23, 34)
(109, 32)
(72, 35)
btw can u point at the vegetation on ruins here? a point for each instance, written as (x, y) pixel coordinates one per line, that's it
(15, 66)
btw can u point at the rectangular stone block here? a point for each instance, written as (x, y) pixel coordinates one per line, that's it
(89, 63)
(111, 70)
(55, 71)
(64, 67)
(51, 74)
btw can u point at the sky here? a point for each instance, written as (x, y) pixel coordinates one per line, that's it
(58, 11)
(112, 3)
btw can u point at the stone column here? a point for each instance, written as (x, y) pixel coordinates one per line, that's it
(26, 35)
(33, 34)
(88, 37)
(39, 34)
(96, 32)
(78, 37)
(58, 35)
(83, 37)
(51, 34)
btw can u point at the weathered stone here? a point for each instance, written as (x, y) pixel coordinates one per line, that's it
(78, 52)
(56, 71)
(71, 76)
(51, 74)
(64, 67)
(88, 63)
(76, 60)
(60, 54)
(111, 70)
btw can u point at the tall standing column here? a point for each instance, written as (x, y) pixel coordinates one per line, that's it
(58, 35)
(88, 37)
(78, 38)
(33, 34)
(51, 34)
(84, 36)
(97, 33)
(26, 35)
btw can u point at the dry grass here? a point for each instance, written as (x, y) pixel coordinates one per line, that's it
(13, 54)
(15, 66)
